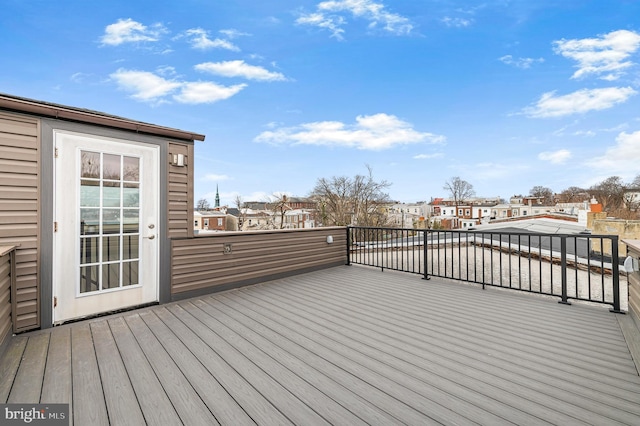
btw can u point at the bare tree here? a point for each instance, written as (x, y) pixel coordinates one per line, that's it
(542, 192)
(459, 189)
(573, 194)
(279, 205)
(630, 200)
(352, 201)
(203, 204)
(242, 210)
(609, 193)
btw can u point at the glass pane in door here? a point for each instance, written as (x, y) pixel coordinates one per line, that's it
(109, 221)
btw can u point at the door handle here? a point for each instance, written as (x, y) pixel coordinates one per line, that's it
(151, 237)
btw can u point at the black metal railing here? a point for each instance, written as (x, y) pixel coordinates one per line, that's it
(579, 267)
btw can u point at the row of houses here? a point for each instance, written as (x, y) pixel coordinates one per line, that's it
(246, 219)
(443, 213)
(446, 213)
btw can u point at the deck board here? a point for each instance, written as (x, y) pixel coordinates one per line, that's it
(357, 380)
(120, 398)
(298, 365)
(28, 380)
(88, 399)
(154, 402)
(10, 364)
(226, 410)
(286, 402)
(252, 401)
(426, 399)
(56, 387)
(190, 407)
(57, 383)
(500, 388)
(583, 353)
(325, 406)
(346, 345)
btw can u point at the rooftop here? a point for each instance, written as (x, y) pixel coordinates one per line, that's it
(346, 345)
(542, 225)
(83, 115)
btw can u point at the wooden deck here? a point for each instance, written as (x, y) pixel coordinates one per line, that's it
(344, 346)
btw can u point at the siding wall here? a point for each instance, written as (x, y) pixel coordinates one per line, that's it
(180, 196)
(200, 265)
(633, 249)
(19, 210)
(6, 274)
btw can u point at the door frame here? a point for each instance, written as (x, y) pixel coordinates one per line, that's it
(112, 142)
(45, 205)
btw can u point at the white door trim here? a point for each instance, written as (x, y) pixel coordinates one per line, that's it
(71, 303)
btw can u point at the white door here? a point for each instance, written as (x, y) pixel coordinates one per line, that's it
(106, 225)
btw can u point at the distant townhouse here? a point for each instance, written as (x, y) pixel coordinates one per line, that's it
(295, 219)
(214, 220)
(256, 219)
(303, 203)
(631, 198)
(404, 215)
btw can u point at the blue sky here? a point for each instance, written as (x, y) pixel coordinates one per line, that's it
(506, 94)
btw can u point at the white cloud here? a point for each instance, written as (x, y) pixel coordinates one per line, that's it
(240, 69)
(456, 22)
(79, 77)
(205, 92)
(605, 56)
(578, 102)
(130, 31)
(555, 157)
(331, 23)
(328, 16)
(428, 156)
(149, 87)
(622, 158)
(523, 63)
(166, 70)
(370, 132)
(199, 39)
(211, 177)
(145, 86)
(589, 133)
(232, 33)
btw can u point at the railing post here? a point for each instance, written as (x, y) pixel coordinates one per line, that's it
(615, 270)
(424, 255)
(563, 263)
(348, 246)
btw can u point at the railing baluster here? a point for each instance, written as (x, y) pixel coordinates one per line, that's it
(459, 257)
(563, 263)
(500, 253)
(576, 260)
(602, 268)
(519, 264)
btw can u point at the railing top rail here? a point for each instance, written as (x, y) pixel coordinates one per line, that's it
(490, 231)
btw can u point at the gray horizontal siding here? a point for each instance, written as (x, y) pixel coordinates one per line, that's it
(201, 263)
(19, 210)
(180, 194)
(5, 295)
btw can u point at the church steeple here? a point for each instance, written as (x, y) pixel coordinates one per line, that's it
(217, 197)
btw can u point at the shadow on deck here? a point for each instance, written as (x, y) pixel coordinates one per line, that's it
(347, 345)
